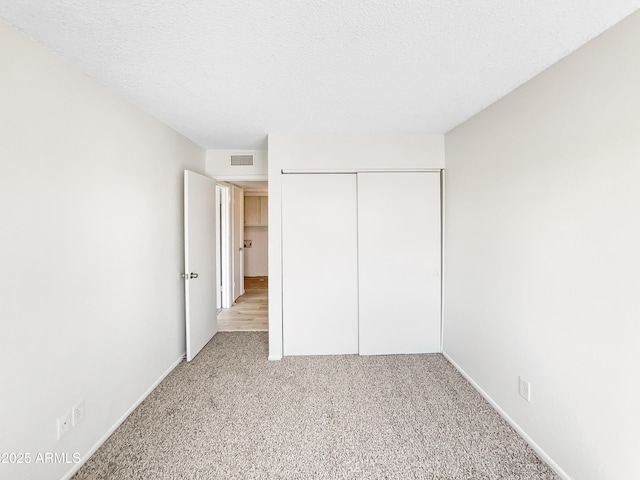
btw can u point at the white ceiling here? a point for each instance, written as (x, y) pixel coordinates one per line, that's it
(226, 73)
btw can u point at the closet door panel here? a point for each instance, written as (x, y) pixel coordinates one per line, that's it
(319, 264)
(399, 262)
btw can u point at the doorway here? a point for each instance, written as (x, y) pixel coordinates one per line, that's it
(248, 213)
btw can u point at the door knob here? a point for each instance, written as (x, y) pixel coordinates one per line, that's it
(193, 275)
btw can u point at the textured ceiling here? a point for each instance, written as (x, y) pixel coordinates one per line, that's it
(226, 73)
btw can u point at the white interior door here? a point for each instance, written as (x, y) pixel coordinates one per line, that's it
(319, 264)
(399, 262)
(200, 261)
(238, 242)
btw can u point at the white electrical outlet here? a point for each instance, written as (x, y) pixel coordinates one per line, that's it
(525, 389)
(77, 413)
(64, 424)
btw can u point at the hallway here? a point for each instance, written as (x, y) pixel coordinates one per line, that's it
(250, 312)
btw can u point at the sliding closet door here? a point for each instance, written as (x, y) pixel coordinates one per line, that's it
(399, 262)
(319, 264)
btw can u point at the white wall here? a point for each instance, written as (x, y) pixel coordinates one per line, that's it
(91, 253)
(542, 262)
(218, 164)
(256, 262)
(332, 152)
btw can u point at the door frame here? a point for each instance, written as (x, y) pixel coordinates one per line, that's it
(224, 289)
(218, 248)
(225, 181)
(276, 350)
(237, 241)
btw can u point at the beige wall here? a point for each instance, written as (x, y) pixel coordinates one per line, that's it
(542, 264)
(91, 253)
(256, 262)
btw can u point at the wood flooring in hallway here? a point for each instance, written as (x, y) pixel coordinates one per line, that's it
(250, 312)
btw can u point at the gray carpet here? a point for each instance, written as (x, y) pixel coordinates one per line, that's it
(232, 414)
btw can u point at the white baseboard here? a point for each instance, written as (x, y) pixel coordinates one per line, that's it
(104, 438)
(275, 358)
(541, 453)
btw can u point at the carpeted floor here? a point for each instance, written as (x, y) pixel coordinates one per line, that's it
(232, 414)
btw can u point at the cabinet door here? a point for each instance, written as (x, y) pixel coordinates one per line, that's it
(251, 211)
(264, 210)
(399, 262)
(319, 264)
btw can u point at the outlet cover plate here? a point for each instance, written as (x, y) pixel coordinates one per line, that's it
(77, 413)
(524, 389)
(64, 424)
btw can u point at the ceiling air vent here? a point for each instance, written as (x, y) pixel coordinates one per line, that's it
(241, 159)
